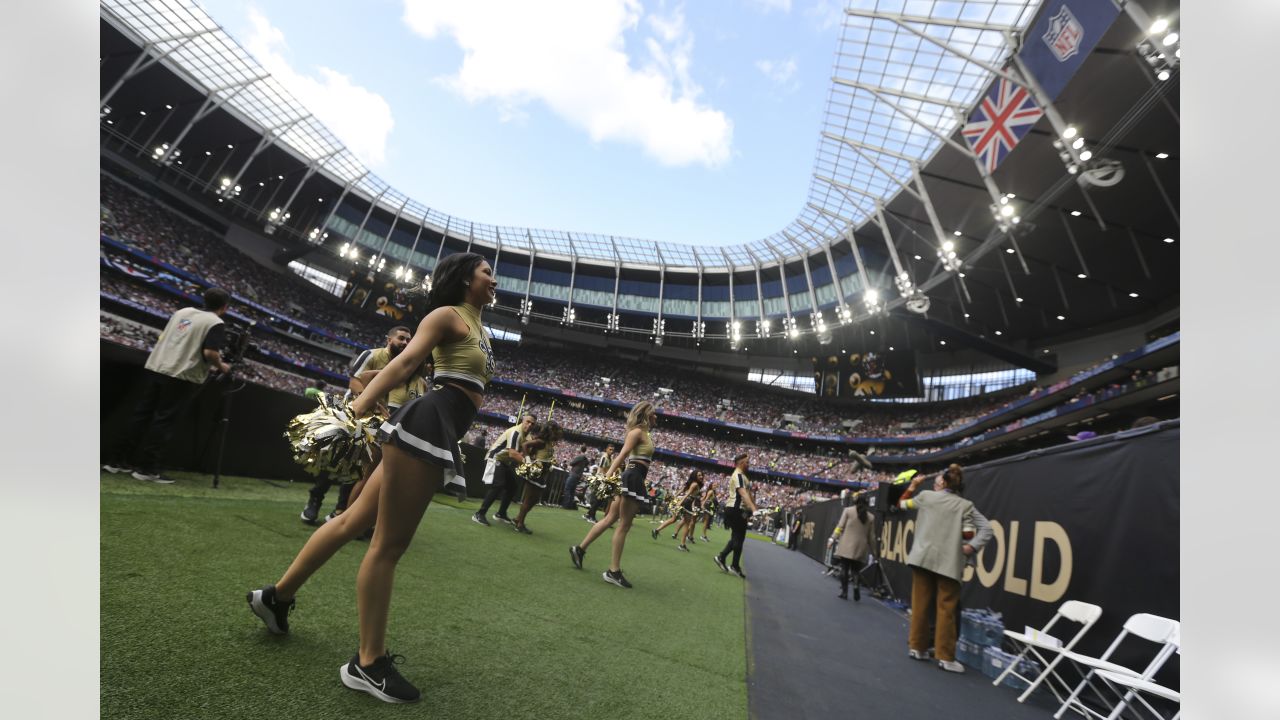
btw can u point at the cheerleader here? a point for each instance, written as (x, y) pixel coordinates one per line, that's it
(637, 453)
(541, 448)
(419, 454)
(710, 504)
(686, 512)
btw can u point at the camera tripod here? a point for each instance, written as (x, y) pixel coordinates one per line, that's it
(224, 421)
(873, 575)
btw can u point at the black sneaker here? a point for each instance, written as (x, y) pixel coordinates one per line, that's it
(720, 564)
(380, 679)
(654, 533)
(332, 514)
(589, 519)
(522, 529)
(683, 547)
(738, 572)
(311, 511)
(504, 519)
(706, 539)
(270, 610)
(616, 578)
(576, 554)
(478, 518)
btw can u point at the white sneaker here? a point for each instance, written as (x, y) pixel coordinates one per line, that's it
(117, 469)
(156, 478)
(951, 666)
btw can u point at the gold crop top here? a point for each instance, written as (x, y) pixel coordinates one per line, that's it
(644, 448)
(468, 361)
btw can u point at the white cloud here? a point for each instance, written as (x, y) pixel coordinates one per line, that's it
(780, 71)
(359, 117)
(827, 14)
(767, 5)
(571, 55)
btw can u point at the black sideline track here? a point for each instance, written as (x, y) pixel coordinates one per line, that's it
(812, 655)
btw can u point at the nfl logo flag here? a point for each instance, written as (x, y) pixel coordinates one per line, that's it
(1003, 117)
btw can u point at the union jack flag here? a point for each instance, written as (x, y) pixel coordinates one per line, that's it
(1003, 117)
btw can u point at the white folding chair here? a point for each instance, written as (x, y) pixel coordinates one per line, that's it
(1137, 687)
(1164, 632)
(1075, 611)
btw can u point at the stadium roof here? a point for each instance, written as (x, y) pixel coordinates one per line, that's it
(905, 72)
(873, 52)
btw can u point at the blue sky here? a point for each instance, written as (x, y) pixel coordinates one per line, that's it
(690, 122)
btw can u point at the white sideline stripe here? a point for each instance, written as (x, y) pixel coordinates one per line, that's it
(423, 445)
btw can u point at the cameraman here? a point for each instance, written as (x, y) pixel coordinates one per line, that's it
(184, 355)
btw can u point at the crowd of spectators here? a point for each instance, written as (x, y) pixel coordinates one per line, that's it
(668, 476)
(777, 455)
(293, 350)
(142, 223)
(133, 334)
(737, 402)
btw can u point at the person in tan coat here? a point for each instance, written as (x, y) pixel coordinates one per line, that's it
(949, 530)
(852, 538)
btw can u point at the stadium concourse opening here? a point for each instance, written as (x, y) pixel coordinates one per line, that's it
(854, 466)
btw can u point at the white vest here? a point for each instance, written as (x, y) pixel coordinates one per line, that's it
(179, 353)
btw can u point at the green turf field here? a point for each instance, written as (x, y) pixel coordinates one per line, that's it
(493, 624)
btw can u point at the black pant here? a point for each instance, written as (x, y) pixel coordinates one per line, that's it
(162, 401)
(504, 484)
(322, 485)
(848, 568)
(736, 520)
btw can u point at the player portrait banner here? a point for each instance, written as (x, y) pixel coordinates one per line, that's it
(867, 374)
(1062, 37)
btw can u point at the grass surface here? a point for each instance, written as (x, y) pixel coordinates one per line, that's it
(493, 624)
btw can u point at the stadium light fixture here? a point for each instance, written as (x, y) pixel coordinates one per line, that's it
(999, 333)
(1169, 240)
(1081, 275)
(568, 316)
(1062, 317)
(763, 327)
(1161, 156)
(228, 189)
(1133, 294)
(1159, 26)
(1075, 213)
(1086, 156)
(1008, 251)
(317, 236)
(1070, 132)
(956, 233)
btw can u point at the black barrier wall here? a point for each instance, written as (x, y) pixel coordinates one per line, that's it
(1095, 521)
(255, 443)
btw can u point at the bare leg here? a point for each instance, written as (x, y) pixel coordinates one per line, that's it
(604, 523)
(364, 478)
(531, 495)
(669, 522)
(627, 509)
(408, 486)
(330, 537)
(688, 530)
